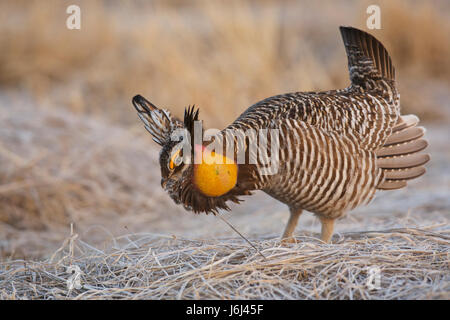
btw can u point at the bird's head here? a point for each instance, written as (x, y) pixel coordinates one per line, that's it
(190, 173)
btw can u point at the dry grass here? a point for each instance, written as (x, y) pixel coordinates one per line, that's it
(60, 168)
(222, 56)
(413, 264)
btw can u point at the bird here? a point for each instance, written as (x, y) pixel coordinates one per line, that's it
(336, 148)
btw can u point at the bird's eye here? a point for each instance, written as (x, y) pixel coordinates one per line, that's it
(175, 160)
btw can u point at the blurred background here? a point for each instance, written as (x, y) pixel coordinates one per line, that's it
(72, 149)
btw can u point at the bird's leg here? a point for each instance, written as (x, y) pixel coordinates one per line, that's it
(290, 227)
(327, 229)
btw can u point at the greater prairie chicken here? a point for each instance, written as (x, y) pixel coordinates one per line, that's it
(336, 148)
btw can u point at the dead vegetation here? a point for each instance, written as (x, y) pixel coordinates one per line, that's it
(412, 264)
(222, 56)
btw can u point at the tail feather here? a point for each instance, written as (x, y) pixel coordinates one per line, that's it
(367, 57)
(392, 184)
(405, 122)
(402, 148)
(400, 157)
(405, 135)
(403, 161)
(404, 174)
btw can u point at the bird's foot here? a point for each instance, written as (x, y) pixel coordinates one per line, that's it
(289, 240)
